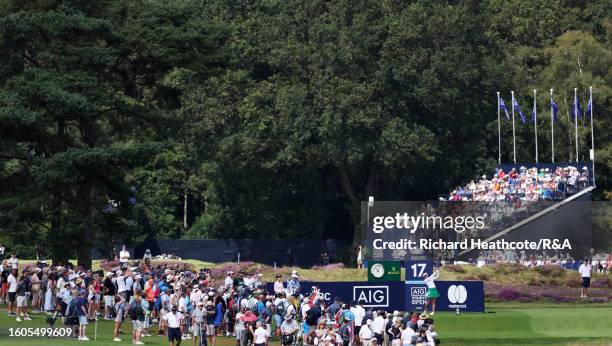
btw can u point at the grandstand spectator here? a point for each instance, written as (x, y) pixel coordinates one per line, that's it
(526, 185)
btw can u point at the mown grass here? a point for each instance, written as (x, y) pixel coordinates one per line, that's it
(503, 324)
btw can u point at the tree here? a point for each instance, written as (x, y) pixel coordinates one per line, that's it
(82, 90)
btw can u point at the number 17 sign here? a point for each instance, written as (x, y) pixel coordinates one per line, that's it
(415, 270)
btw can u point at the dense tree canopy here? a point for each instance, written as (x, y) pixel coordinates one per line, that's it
(271, 119)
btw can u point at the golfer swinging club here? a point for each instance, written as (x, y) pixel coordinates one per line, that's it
(432, 292)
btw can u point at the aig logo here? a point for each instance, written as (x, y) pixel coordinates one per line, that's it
(457, 294)
(373, 296)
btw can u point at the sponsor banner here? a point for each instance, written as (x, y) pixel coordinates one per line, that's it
(385, 295)
(415, 270)
(467, 296)
(384, 271)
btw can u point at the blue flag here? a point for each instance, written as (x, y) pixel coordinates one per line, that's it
(502, 105)
(576, 108)
(590, 107)
(554, 107)
(517, 108)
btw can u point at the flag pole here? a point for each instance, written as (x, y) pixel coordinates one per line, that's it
(513, 130)
(498, 130)
(576, 119)
(552, 127)
(592, 133)
(535, 119)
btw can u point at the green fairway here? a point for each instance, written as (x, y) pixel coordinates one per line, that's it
(510, 324)
(525, 325)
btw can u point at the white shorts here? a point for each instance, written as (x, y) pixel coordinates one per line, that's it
(22, 301)
(108, 301)
(137, 325)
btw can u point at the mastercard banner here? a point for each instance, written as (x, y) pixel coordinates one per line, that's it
(462, 296)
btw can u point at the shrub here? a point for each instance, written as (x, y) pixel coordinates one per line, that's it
(455, 268)
(508, 268)
(525, 299)
(510, 294)
(330, 266)
(534, 282)
(603, 282)
(483, 276)
(548, 270)
(573, 282)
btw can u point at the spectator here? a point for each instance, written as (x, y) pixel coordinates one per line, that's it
(81, 313)
(366, 334)
(137, 315)
(289, 330)
(585, 274)
(110, 290)
(229, 281)
(378, 326)
(22, 302)
(12, 291)
(260, 335)
(173, 319)
(278, 285)
(211, 333)
(359, 314)
(198, 318)
(120, 312)
(124, 257)
(14, 261)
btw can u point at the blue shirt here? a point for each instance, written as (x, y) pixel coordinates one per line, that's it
(349, 315)
(80, 304)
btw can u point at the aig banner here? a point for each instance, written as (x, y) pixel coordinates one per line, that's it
(466, 296)
(384, 295)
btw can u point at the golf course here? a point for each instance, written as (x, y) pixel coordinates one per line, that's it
(551, 315)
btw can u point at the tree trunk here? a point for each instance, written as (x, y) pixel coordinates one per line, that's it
(185, 208)
(59, 255)
(84, 255)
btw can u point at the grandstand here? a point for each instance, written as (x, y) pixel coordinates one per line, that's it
(543, 201)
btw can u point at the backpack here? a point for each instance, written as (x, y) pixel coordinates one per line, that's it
(280, 309)
(312, 316)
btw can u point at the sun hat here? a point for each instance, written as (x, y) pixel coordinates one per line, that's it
(423, 316)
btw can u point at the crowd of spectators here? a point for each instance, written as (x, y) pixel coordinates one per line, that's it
(524, 184)
(601, 262)
(181, 304)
